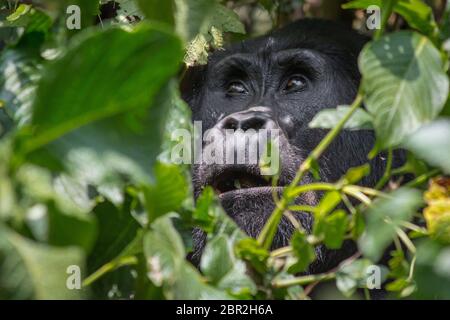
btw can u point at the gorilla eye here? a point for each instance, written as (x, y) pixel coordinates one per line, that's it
(236, 87)
(295, 83)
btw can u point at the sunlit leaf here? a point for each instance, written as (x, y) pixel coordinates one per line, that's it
(405, 85)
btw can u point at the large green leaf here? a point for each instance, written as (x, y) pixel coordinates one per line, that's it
(30, 270)
(168, 193)
(432, 144)
(98, 124)
(405, 84)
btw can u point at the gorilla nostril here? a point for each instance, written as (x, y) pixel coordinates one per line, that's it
(255, 123)
(230, 123)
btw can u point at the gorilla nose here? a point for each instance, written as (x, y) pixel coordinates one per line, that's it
(254, 118)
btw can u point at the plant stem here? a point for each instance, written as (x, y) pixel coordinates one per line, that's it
(302, 208)
(268, 232)
(406, 241)
(422, 178)
(386, 11)
(111, 266)
(357, 194)
(281, 252)
(320, 186)
(304, 280)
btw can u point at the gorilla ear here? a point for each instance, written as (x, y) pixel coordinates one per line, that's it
(191, 84)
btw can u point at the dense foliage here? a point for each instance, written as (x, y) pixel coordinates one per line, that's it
(85, 178)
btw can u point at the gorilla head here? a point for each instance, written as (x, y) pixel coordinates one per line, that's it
(279, 81)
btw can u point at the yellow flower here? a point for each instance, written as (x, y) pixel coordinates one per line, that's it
(437, 213)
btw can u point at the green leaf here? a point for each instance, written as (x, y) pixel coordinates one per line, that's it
(19, 73)
(432, 274)
(117, 229)
(168, 193)
(332, 229)
(405, 84)
(164, 251)
(190, 286)
(21, 10)
(329, 201)
(205, 213)
(52, 216)
(216, 259)
(431, 143)
(354, 175)
(29, 18)
(70, 229)
(195, 17)
(220, 265)
(139, 63)
(417, 14)
(361, 4)
(384, 216)
(329, 118)
(248, 249)
(201, 24)
(102, 136)
(167, 267)
(237, 282)
(33, 271)
(357, 225)
(156, 10)
(303, 251)
(355, 274)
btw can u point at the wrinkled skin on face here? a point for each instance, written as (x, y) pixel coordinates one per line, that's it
(280, 81)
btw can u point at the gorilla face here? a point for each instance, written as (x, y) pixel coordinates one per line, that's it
(279, 81)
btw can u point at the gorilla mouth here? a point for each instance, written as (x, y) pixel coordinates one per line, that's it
(241, 181)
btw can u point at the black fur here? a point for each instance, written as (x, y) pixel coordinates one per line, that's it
(325, 54)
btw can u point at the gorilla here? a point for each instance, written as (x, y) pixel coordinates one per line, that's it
(280, 81)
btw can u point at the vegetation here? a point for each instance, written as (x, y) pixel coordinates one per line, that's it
(85, 178)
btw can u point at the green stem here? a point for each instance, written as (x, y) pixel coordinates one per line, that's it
(422, 178)
(111, 266)
(386, 11)
(302, 208)
(268, 232)
(304, 280)
(357, 194)
(281, 252)
(320, 186)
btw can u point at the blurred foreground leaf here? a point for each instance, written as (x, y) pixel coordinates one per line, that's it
(384, 216)
(34, 271)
